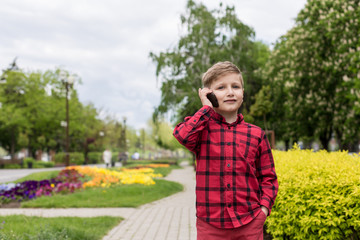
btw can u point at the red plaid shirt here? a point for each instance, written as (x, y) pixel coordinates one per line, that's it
(235, 172)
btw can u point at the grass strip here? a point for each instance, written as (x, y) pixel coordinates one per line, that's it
(114, 196)
(23, 227)
(38, 176)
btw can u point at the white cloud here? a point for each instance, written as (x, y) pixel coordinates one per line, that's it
(107, 43)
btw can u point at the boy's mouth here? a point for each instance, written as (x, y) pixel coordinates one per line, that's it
(230, 101)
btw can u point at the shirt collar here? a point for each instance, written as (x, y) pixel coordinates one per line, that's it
(217, 117)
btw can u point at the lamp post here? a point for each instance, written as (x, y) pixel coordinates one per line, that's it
(123, 140)
(68, 81)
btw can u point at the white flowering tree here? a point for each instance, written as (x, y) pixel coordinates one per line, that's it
(315, 73)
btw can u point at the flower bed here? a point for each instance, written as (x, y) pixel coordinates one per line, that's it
(24, 191)
(75, 178)
(101, 177)
(151, 165)
(66, 182)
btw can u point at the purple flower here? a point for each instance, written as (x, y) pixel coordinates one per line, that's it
(67, 181)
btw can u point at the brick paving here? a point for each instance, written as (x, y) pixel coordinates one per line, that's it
(171, 218)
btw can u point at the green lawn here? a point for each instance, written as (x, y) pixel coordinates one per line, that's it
(114, 196)
(22, 227)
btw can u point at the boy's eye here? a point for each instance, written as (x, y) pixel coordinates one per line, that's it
(220, 87)
(236, 86)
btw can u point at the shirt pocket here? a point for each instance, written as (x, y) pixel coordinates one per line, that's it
(247, 154)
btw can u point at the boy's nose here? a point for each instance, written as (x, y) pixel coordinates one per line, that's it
(230, 91)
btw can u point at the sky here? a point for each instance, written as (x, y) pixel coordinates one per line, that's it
(107, 43)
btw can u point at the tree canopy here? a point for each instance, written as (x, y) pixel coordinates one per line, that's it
(210, 37)
(314, 73)
(32, 108)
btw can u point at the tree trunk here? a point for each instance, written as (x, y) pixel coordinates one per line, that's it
(287, 142)
(31, 151)
(86, 151)
(265, 122)
(324, 141)
(338, 140)
(13, 143)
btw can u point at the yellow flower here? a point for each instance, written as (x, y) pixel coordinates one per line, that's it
(105, 178)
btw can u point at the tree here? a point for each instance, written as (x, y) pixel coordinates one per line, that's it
(211, 36)
(32, 108)
(262, 105)
(161, 132)
(314, 72)
(12, 117)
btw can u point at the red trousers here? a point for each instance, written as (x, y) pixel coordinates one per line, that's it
(250, 231)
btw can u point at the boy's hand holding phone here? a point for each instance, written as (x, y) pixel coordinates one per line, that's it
(207, 97)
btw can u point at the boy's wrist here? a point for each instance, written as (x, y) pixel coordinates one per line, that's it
(265, 210)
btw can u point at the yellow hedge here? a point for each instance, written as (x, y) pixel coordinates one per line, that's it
(319, 195)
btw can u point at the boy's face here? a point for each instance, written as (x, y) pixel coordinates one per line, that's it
(229, 93)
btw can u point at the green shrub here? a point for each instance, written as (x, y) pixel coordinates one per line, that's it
(28, 162)
(318, 196)
(12, 166)
(95, 157)
(114, 157)
(32, 163)
(41, 164)
(76, 158)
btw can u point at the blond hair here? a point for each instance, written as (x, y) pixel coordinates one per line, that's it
(218, 70)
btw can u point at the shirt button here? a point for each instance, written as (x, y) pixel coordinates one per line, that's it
(194, 120)
(228, 144)
(228, 185)
(228, 165)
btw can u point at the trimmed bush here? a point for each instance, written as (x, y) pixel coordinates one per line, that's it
(41, 164)
(76, 158)
(114, 156)
(94, 157)
(12, 166)
(319, 196)
(29, 162)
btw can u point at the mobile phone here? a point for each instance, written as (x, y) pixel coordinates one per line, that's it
(211, 96)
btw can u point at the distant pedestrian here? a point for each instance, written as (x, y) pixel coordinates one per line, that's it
(107, 157)
(236, 183)
(122, 158)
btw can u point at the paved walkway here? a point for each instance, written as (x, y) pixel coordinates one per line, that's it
(171, 218)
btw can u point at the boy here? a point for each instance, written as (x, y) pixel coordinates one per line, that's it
(236, 183)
